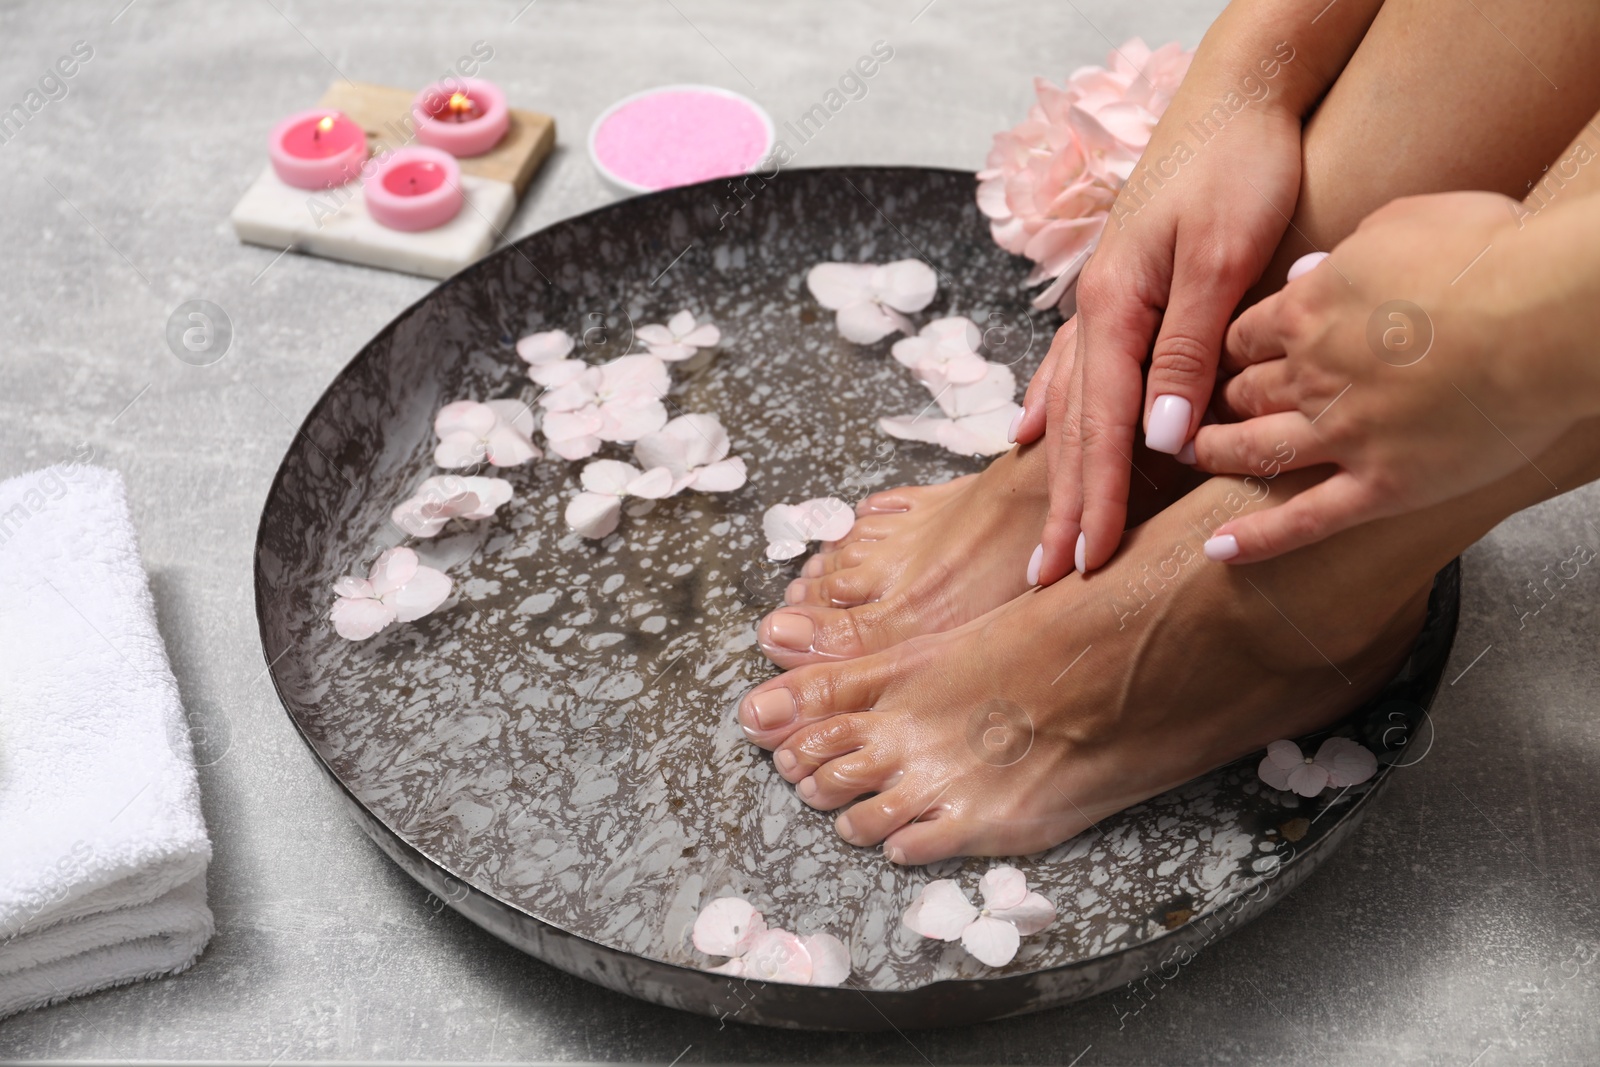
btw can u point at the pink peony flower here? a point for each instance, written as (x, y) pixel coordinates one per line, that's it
(680, 338)
(992, 933)
(450, 496)
(693, 449)
(397, 589)
(977, 418)
(870, 297)
(595, 512)
(944, 352)
(616, 401)
(1339, 762)
(1050, 181)
(789, 527)
(499, 432)
(732, 927)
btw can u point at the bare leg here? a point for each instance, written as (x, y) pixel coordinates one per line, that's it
(1436, 98)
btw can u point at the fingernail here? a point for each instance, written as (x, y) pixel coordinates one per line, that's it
(1306, 264)
(785, 760)
(1185, 454)
(772, 709)
(795, 593)
(807, 787)
(1080, 550)
(845, 828)
(1221, 548)
(1035, 561)
(1169, 424)
(792, 631)
(1016, 423)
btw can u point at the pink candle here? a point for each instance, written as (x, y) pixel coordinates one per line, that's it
(317, 149)
(465, 117)
(416, 188)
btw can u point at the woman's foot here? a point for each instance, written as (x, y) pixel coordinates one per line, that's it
(924, 559)
(1016, 731)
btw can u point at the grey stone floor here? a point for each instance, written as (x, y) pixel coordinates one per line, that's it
(1460, 927)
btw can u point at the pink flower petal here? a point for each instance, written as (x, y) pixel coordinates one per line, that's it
(655, 334)
(1003, 887)
(992, 942)
(426, 590)
(913, 427)
(514, 414)
(778, 956)
(1347, 762)
(784, 548)
(460, 449)
(609, 476)
(584, 422)
(391, 570)
(702, 336)
(906, 284)
(721, 477)
(632, 419)
(1308, 779)
(830, 959)
(941, 911)
(580, 447)
(829, 518)
(672, 353)
(1029, 916)
(654, 484)
(594, 515)
(358, 618)
(988, 434)
(727, 926)
(556, 375)
(351, 586)
(681, 324)
(867, 322)
(1272, 774)
(546, 347)
(508, 448)
(1285, 754)
(837, 285)
(467, 416)
(734, 968)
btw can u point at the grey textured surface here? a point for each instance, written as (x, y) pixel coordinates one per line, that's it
(1460, 923)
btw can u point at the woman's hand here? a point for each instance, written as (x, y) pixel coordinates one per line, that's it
(1434, 352)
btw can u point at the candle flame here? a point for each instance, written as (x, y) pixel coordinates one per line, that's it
(460, 102)
(324, 126)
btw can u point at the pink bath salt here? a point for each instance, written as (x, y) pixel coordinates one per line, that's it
(679, 137)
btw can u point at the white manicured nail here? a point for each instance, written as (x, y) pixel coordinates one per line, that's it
(1016, 423)
(1186, 453)
(1078, 552)
(1169, 424)
(1221, 548)
(1306, 264)
(1034, 562)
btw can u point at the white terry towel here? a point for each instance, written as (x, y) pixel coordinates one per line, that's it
(103, 850)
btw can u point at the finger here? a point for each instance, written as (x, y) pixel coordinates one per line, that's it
(1263, 446)
(1264, 389)
(1031, 424)
(1321, 511)
(1183, 363)
(1060, 531)
(1254, 337)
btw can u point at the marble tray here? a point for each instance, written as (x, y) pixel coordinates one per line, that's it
(554, 753)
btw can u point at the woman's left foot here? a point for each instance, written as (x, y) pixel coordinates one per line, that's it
(1016, 731)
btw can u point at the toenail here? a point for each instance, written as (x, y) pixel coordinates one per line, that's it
(1169, 424)
(894, 854)
(795, 593)
(785, 760)
(807, 787)
(1079, 551)
(1221, 548)
(792, 631)
(842, 824)
(772, 709)
(812, 568)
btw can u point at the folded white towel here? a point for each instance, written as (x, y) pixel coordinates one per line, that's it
(103, 850)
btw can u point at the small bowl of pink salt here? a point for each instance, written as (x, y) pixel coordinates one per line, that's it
(678, 135)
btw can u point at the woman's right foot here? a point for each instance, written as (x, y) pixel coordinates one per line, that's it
(925, 559)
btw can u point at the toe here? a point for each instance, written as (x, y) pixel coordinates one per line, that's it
(841, 589)
(926, 840)
(807, 633)
(876, 818)
(811, 746)
(878, 527)
(902, 498)
(841, 780)
(774, 710)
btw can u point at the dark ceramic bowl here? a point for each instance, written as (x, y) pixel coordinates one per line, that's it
(554, 754)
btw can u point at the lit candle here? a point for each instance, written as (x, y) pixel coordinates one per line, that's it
(465, 117)
(416, 188)
(317, 149)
